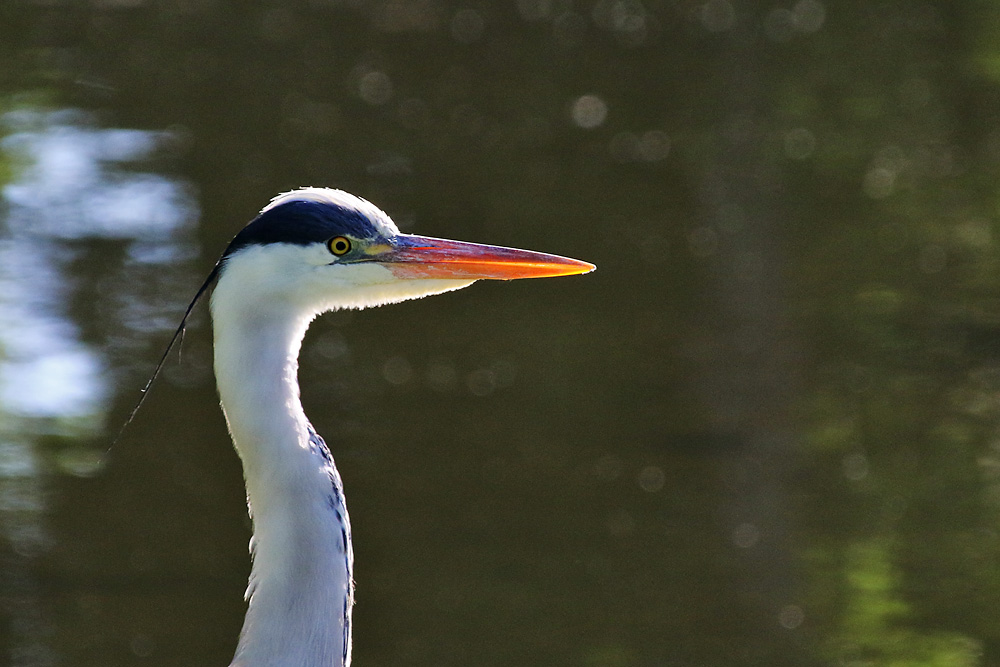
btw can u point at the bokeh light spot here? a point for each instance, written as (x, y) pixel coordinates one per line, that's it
(375, 88)
(855, 466)
(397, 371)
(589, 111)
(652, 479)
(654, 146)
(746, 535)
(791, 616)
(480, 382)
(534, 10)
(809, 15)
(879, 182)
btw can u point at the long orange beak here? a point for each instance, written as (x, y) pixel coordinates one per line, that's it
(415, 257)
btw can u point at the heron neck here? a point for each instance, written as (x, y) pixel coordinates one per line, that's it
(256, 368)
(300, 590)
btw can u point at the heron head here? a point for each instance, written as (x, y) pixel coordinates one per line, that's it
(317, 249)
(321, 249)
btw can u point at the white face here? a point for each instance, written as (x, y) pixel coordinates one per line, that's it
(310, 280)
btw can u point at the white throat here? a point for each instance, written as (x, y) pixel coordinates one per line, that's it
(300, 592)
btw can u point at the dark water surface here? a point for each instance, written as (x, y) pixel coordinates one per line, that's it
(764, 432)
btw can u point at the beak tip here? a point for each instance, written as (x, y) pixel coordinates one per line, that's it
(579, 267)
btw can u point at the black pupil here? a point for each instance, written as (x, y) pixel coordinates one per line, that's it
(340, 245)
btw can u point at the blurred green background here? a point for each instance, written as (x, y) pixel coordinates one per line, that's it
(765, 432)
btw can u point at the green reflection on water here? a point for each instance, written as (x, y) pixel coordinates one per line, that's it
(874, 627)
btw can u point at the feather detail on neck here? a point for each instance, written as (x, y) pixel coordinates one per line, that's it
(301, 590)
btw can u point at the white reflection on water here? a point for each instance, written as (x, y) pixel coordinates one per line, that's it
(44, 370)
(73, 187)
(74, 182)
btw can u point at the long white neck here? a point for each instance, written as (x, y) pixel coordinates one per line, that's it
(301, 591)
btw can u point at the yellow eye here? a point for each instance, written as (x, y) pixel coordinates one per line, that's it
(339, 245)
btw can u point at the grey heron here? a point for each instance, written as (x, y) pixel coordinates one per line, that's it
(308, 252)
